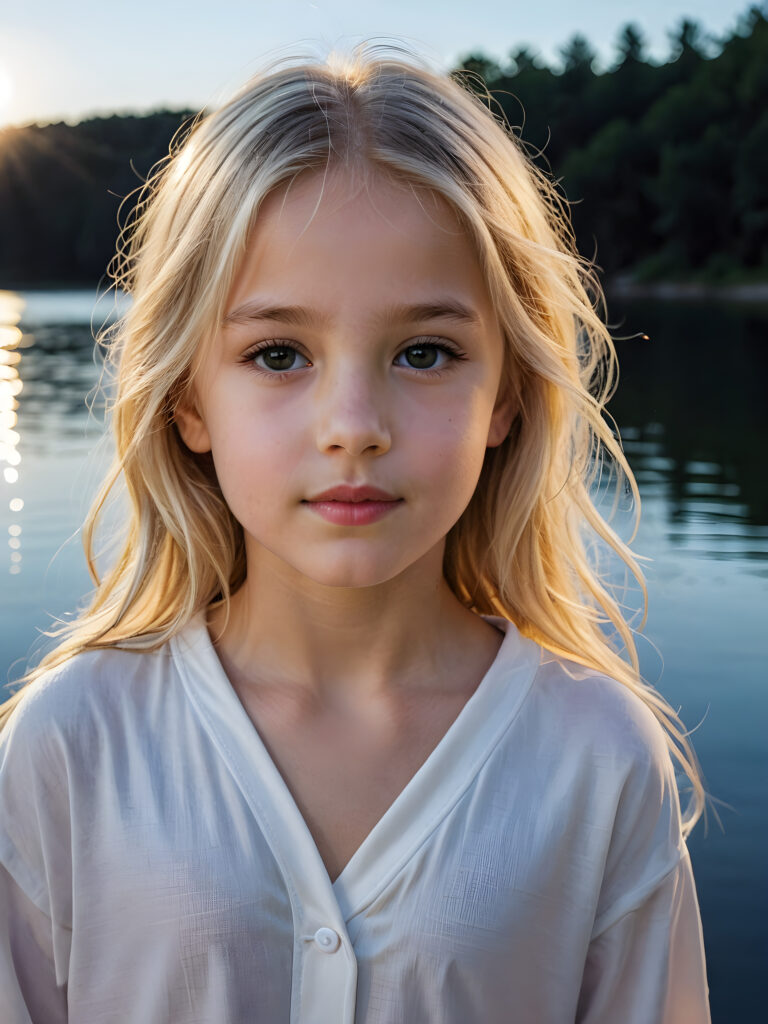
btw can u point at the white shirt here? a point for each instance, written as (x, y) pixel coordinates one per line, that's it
(154, 867)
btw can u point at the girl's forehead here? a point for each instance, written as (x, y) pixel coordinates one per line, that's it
(321, 222)
(364, 192)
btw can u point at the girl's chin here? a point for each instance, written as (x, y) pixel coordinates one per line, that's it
(351, 574)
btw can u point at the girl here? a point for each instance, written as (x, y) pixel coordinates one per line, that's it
(341, 736)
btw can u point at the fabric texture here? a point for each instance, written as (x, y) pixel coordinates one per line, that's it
(155, 868)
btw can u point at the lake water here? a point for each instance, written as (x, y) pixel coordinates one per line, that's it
(693, 417)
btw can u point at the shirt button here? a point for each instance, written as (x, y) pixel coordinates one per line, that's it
(327, 940)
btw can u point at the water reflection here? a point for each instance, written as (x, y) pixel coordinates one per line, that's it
(702, 502)
(48, 369)
(61, 370)
(692, 416)
(11, 387)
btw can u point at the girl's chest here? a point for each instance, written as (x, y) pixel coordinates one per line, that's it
(176, 850)
(184, 846)
(344, 774)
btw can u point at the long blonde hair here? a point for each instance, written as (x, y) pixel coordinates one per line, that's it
(523, 549)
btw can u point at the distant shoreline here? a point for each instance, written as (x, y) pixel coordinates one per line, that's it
(626, 288)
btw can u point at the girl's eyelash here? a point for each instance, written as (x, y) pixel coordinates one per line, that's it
(275, 343)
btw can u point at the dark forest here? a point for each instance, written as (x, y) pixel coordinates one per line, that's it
(665, 165)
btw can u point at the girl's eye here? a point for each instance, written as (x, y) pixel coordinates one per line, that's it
(277, 358)
(427, 356)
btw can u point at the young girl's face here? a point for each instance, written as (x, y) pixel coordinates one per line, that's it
(351, 388)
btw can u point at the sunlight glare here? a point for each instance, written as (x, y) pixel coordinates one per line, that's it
(11, 307)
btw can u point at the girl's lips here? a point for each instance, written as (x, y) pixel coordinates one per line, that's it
(353, 493)
(353, 513)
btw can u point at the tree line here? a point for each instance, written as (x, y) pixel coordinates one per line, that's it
(665, 165)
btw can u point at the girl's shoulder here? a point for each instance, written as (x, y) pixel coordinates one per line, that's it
(591, 737)
(88, 686)
(592, 713)
(566, 695)
(601, 748)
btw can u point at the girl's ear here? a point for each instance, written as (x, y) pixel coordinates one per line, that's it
(191, 425)
(504, 413)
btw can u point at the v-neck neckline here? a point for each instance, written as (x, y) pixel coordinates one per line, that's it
(415, 812)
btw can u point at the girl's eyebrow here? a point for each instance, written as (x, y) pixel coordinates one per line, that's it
(255, 311)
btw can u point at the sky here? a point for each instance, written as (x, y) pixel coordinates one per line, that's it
(64, 60)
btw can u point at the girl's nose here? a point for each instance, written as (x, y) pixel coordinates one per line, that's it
(351, 416)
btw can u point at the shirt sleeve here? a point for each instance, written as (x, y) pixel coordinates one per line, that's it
(27, 972)
(645, 961)
(35, 869)
(648, 966)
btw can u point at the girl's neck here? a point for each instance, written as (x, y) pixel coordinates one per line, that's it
(348, 645)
